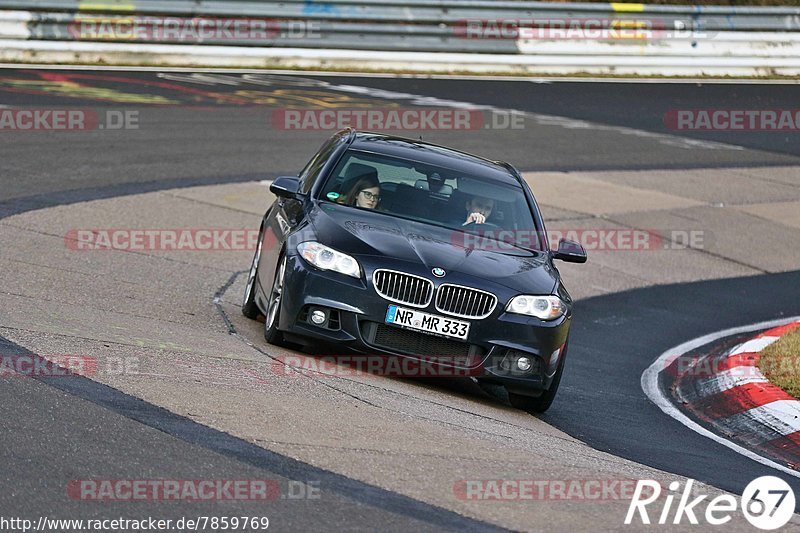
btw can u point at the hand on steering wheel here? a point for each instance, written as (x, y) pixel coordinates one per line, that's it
(484, 226)
(475, 218)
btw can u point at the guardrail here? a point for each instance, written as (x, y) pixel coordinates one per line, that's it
(710, 18)
(614, 34)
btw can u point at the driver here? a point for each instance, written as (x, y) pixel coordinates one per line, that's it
(478, 210)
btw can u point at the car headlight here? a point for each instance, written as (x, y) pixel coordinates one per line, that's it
(544, 307)
(325, 258)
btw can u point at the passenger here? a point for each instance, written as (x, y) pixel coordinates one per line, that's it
(478, 210)
(365, 193)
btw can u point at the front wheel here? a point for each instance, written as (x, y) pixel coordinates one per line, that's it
(271, 332)
(540, 404)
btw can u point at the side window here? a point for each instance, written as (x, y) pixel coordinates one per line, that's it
(311, 172)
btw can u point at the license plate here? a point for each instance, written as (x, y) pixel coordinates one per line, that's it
(437, 325)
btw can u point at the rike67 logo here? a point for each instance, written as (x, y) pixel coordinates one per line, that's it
(767, 503)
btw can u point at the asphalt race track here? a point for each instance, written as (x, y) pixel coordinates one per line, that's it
(208, 131)
(605, 370)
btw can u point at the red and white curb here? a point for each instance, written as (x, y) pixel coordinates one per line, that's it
(728, 394)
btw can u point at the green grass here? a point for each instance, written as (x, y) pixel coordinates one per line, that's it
(780, 363)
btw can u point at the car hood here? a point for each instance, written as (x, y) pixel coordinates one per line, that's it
(364, 233)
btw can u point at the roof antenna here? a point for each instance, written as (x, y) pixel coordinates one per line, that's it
(420, 137)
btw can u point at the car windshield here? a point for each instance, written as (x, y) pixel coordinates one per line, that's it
(433, 194)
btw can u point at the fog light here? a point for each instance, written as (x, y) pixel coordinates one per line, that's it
(524, 364)
(318, 317)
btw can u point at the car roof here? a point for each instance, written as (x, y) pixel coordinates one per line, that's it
(433, 154)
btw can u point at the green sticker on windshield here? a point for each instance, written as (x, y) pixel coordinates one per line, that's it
(333, 196)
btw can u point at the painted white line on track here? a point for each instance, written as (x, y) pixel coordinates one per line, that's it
(650, 387)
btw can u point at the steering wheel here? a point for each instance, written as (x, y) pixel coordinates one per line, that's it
(484, 226)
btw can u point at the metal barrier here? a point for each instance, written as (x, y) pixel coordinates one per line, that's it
(712, 18)
(539, 29)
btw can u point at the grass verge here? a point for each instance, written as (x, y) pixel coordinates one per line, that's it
(780, 363)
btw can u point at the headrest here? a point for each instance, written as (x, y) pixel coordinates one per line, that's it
(359, 170)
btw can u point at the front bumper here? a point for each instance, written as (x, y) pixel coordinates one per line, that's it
(356, 323)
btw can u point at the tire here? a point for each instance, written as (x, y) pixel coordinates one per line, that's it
(271, 332)
(542, 403)
(249, 307)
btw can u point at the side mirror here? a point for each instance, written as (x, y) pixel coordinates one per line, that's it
(285, 187)
(570, 252)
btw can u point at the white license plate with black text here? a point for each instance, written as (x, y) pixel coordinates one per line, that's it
(438, 325)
